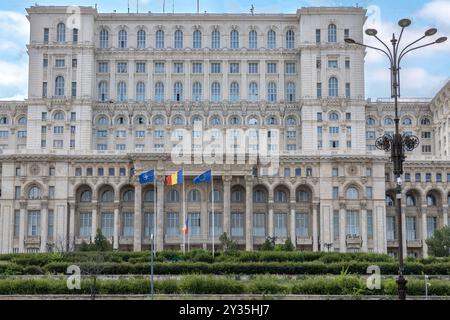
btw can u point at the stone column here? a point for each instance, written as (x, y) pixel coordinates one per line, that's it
(342, 231)
(424, 231)
(403, 231)
(445, 215)
(44, 225)
(315, 228)
(159, 241)
(71, 224)
(226, 204)
(363, 225)
(248, 213)
(292, 224)
(137, 241)
(23, 226)
(94, 223)
(270, 218)
(116, 226)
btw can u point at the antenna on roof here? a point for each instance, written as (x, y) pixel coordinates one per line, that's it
(164, 6)
(137, 6)
(173, 6)
(198, 6)
(128, 6)
(95, 6)
(252, 9)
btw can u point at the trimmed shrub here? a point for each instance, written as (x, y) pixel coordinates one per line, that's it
(211, 285)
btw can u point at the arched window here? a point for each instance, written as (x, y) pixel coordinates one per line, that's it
(59, 86)
(197, 39)
(103, 91)
(302, 196)
(425, 122)
(234, 91)
(141, 37)
(234, 39)
(280, 196)
(173, 196)
(104, 39)
(86, 196)
(291, 121)
(4, 120)
(217, 196)
(253, 121)
(332, 33)
(120, 120)
(370, 121)
(158, 121)
(388, 121)
(253, 39)
(271, 39)
(59, 115)
(352, 194)
(122, 38)
(290, 92)
(159, 44)
(407, 121)
(272, 92)
(140, 91)
(139, 120)
(235, 120)
(215, 91)
(34, 193)
(237, 196)
(259, 196)
(128, 196)
(178, 121)
(121, 91)
(103, 121)
(196, 119)
(333, 87)
(215, 121)
(194, 196)
(107, 196)
(178, 91)
(61, 33)
(272, 121)
(149, 196)
(290, 39)
(215, 39)
(197, 91)
(431, 200)
(159, 91)
(410, 200)
(22, 121)
(253, 91)
(178, 39)
(389, 201)
(333, 116)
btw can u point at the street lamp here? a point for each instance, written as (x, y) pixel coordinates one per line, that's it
(397, 144)
(152, 238)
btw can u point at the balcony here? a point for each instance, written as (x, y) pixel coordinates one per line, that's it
(32, 240)
(353, 240)
(414, 243)
(304, 241)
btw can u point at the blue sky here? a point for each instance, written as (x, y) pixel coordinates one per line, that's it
(423, 73)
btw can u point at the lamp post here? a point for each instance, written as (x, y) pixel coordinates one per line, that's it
(397, 144)
(152, 238)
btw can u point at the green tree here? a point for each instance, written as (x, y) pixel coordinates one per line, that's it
(228, 245)
(268, 245)
(439, 243)
(288, 245)
(101, 243)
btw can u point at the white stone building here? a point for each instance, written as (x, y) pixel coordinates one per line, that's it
(109, 93)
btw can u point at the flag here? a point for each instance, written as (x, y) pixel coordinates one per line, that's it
(204, 177)
(185, 228)
(175, 178)
(147, 177)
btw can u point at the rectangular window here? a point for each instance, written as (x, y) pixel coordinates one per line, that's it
(280, 225)
(336, 224)
(60, 63)
(107, 224)
(318, 63)
(46, 35)
(426, 135)
(73, 116)
(51, 192)
(370, 135)
(34, 223)
(197, 67)
(369, 192)
(418, 177)
(352, 223)
(100, 172)
(234, 67)
(287, 172)
(253, 67)
(271, 67)
(332, 64)
(58, 144)
(391, 230)
(428, 177)
(291, 134)
(411, 228)
(43, 143)
(111, 172)
(44, 89)
(103, 67)
(140, 134)
(140, 67)
(347, 90)
(4, 134)
(302, 225)
(85, 224)
(128, 224)
(407, 177)
(102, 133)
(50, 224)
(346, 33)
(75, 36)
(158, 133)
(74, 89)
(298, 172)
(347, 63)
(335, 193)
(438, 177)
(319, 90)
(159, 67)
(74, 63)
(172, 225)
(334, 130)
(369, 224)
(122, 67)
(217, 224)
(58, 129)
(215, 67)
(17, 192)
(45, 63)
(426, 149)
(178, 67)
(237, 224)
(21, 134)
(335, 172)
(16, 223)
(149, 224)
(431, 226)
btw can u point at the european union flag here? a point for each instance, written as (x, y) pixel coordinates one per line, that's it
(147, 177)
(204, 177)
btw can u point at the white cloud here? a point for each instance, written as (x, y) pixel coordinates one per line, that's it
(16, 81)
(437, 11)
(14, 24)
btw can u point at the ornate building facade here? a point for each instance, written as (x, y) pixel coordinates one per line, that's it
(110, 95)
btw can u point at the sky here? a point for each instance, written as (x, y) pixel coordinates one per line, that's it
(423, 73)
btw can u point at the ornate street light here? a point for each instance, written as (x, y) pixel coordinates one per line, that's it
(397, 144)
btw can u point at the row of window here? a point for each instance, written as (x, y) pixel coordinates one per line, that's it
(418, 177)
(406, 121)
(411, 227)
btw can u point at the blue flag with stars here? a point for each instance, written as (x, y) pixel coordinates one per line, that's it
(203, 178)
(147, 177)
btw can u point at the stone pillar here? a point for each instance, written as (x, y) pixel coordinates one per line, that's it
(445, 215)
(226, 203)
(292, 224)
(315, 237)
(22, 230)
(94, 223)
(116, 227)
(44, 225)
(270, 218)
(363, 225)
(342, 231)
(71, 225)
(248, 213)
(403, 231)
(424, 231)
(159, 241)
(137, 241)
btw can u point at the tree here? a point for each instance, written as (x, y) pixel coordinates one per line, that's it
(228, 245)
(101, 243)
(288, 245)
(269, 244)
(439, 243)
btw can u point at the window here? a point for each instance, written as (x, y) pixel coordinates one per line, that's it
(44, 89)
(58, 144)
(426, 135)
(61, 33)
(178, 91)
(335, 172)
(438, 177)
(172, 224)
(173, 196)
(197, 67)
(75, 35)
(352, 193)
(128, 224)
(121, 91)
(234, 67)
(388, 121)
(104, 39)
(34, 223)
(347, 90)
(140, 91)
(141, 39)
(346, 33)
(280, 225)
(122, 67)
(46, 35)
(85, 224)
(237, 196)
(197, 91)
(332, 33)
(108, 195)
(271, 39)
(107, 224)
(369, 192)
(34, 193)
(259, 225)
(60, 63)
(159, 44)
(215, 39)
(425, 122)
(272, 92)
(302, 225)
(59, 86)
(73, 116)
(280, 196)
(431, 200)
(122, 38)
(103, 67)
(194, 224)
(431, 226)
(140, 67)
(253, 39)
(234, 91)
(159, 67)
(237, 224)
(178, 67)
(271, 67)
(319, 63)
(319, 90)
(336, 227)
(234, 39)
(74, 89)
(51, 192)
(317, 35)
(215, 67)
(428, 177)
(290, 39)
(347, 63)
(103, 91)
(410, 200)
(289, 68)
(391, 232)
(426, 149)
(58, 129)
(411, 228)
(253, 67)
(194, 196)
(197, 39)
(159, 92)
(332, 64)
(178, 39)
(215, 91)
(149, 224)
(333, 87)
(334, 130)
(352, 223)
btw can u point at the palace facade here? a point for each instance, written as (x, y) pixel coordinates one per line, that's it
(112, 94)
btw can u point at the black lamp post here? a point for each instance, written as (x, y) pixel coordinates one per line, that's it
(397, 144)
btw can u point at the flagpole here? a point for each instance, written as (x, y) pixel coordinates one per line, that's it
(155, 215)
(184, 216)
(213, 218)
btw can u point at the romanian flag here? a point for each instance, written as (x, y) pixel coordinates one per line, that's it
(175, 178)
(185, 228)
